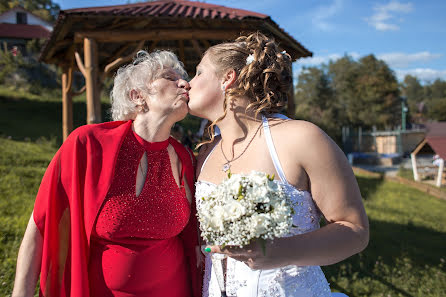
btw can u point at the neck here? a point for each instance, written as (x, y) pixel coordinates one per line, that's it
(152, 127)
(238, 125)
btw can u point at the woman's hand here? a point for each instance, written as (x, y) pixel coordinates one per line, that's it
(256, 256)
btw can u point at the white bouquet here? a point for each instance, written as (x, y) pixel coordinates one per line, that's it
(243, 208)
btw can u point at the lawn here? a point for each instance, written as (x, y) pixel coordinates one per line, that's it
(405, 256)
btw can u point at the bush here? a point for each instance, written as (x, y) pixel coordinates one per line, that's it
(27, 73)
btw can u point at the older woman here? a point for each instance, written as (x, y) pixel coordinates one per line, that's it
(114, 215)
(241, 86)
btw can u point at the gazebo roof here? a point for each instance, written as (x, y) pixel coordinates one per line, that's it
(186, 27)
(436, 138)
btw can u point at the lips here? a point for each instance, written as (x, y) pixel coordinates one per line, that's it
(186, 95)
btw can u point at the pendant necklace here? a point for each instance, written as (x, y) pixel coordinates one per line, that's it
(227, 165)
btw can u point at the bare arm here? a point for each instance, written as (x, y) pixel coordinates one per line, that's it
(28, 261)
(336, 193)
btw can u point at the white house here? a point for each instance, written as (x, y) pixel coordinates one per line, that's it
(18, 25)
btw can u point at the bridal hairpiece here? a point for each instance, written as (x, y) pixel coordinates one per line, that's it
(249, 59)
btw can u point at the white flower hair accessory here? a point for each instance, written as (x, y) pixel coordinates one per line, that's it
(249, 59)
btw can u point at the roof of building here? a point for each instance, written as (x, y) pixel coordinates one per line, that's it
(23, 31)
(167, 24)
(21, 8)
(436, 137)
(172, 8)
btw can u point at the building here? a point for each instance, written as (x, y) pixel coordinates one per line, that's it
(17, 26)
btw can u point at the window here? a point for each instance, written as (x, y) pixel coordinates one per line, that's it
(21, 18)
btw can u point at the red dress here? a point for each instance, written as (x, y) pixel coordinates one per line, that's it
(135, 249)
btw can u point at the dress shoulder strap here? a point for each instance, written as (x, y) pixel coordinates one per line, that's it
(271, 148)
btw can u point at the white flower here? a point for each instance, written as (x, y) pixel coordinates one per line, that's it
(249, 59)
(234, 210)
(259, 224)
(245, 207)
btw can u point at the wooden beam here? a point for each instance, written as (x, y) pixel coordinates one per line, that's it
(168, 34)
(81, 91)
(119, 53)
(91, 81)
(419, 147)
(413, 159)
(80, 64)
(440, 173)
(67, 102)
(121, 60)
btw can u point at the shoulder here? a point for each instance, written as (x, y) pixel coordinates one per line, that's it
(83, 133)
(304, 141)
(296, 130)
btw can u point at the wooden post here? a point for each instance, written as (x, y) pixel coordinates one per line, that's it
(414, 167)
(91, 81)
(67, 102)
(440, 172)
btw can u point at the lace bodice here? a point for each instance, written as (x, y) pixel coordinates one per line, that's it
(287, 281)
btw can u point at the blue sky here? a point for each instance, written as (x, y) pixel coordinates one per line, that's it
(409, 35)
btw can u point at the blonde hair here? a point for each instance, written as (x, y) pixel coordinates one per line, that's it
(266, 81)
(145, 68)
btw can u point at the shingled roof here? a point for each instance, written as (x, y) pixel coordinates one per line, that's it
(23, 31)
(182, 26)
(436, 137)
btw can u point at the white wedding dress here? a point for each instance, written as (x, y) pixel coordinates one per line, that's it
(295, 281)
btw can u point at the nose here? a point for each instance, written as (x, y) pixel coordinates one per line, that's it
(184, 84)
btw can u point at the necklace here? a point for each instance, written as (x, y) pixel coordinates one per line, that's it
(227, 165)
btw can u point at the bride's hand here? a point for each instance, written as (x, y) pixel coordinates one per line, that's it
(253, 255)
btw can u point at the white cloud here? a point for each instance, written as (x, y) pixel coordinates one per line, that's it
(320, 17)
(403, 60)
(318, 60)
(384, 17)
(423, 74)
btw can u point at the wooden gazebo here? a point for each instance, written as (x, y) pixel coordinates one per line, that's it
(436, 139)
(97, 40)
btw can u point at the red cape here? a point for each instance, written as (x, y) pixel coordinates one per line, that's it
(70, 195)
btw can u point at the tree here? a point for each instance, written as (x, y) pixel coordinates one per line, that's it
(367, 90)
(315, 101)
(436, 100)
(412, 89)
(378, 102)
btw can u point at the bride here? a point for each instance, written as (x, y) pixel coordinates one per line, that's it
(240, 86)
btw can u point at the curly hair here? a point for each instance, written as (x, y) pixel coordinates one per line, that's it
(266, 81)
(145, 68)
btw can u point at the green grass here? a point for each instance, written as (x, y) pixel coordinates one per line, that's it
(22, 165)
(408, 174)
(405, 256)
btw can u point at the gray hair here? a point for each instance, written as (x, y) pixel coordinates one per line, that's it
(145, 68)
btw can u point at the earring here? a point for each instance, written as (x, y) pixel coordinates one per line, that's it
(223, 89)
(143, 108)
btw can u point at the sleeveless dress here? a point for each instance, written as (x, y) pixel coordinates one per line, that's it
(295, 281)
(135, 250)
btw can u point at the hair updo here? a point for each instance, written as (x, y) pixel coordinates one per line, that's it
(266, 81)
(146, 68)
